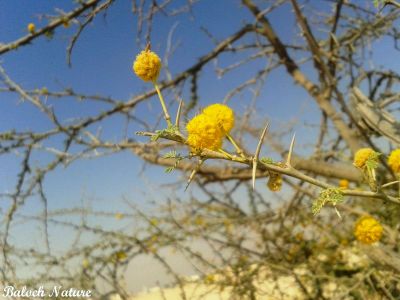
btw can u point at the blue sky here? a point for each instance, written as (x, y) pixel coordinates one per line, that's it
(101, 64)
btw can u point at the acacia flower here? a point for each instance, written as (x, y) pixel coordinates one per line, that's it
(368, 230)
(204, 133)
(210, 278)
(365, 156)
(119, 216)
(147, 65)
(85, 263)
(31, 28)
(120, 256)
(275, 182)
(222, 114)
(394, 161)
(343, 183)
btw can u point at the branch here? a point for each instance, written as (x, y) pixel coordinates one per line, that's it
(292, 68)
(51, 26)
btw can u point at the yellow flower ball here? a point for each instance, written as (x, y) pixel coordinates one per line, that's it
(147, 65)
(363, 155)
(31, 28)
(344, 184)
(120, 255)
(154, 222)
(368, 230)
(209, 279)
(394, 161)
(119, 216)
(223, 115)
(275, 182)
(85, 263)
(204, 133)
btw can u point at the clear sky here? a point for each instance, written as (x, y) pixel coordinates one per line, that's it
(101, 64)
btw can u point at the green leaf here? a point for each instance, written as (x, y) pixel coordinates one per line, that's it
(169, 169)
(171, 130)
(330, 195)
(373, 161)
(173, 155)
(267, 160)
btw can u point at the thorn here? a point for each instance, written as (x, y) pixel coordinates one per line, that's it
(257, 154)
(253, 174)
(333, 37)
(337, 212)
(195, 170)
(178, 113)
(289, 157)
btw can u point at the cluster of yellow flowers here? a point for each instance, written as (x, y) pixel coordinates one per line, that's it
(344, 184)
(367, 155)
(368, 230)
(363, 156)
(119, 256)
(394, 161)
(207, 130)
(275, 182)
(147, 65)
(85, 263)
(31, 28)
(119, 216)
